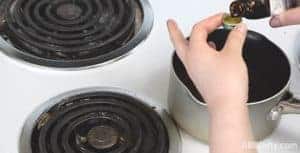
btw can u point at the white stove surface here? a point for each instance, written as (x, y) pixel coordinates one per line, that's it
(146, 72)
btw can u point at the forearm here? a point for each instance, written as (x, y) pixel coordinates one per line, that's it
(230, 128)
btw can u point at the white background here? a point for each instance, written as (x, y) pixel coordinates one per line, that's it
(146, 72)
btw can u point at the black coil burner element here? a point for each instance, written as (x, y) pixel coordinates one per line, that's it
(74, 33)
(100, 122)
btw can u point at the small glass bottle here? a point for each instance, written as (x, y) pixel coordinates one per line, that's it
(256, 9)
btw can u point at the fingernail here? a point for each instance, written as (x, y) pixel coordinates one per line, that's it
(241, 27)
(170, 22)
(275, 21)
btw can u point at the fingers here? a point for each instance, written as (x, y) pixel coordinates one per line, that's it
(178, 39)
(236, 39)
(203, 28)
(290, 17)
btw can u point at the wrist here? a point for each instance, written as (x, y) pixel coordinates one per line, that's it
(227, 106)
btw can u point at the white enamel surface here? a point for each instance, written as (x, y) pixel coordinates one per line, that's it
(146, 72)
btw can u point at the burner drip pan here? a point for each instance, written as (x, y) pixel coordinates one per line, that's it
(73, 33)
(99, 120)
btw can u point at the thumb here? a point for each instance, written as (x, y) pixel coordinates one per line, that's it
(236, 38)
(290, 17)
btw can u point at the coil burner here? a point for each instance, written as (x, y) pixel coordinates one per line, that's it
(74, 33)
(96, 121)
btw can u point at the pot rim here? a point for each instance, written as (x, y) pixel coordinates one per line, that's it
(284, 89)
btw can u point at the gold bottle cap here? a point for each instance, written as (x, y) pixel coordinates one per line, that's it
(230, 22)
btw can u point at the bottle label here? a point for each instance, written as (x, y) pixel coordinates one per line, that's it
(292, 3)
(278, 6)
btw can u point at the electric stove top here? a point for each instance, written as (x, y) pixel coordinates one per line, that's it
(26, 83)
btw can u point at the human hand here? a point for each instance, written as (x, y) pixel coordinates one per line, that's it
(219, 76)
(289, 17)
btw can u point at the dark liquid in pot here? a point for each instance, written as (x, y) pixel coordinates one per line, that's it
(268, 67)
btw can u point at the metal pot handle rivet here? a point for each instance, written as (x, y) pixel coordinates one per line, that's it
(275, 113)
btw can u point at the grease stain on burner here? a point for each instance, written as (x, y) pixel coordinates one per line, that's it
(103, 137)
(69, 11)
(44, 118)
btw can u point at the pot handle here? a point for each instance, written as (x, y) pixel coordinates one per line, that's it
(288, 105)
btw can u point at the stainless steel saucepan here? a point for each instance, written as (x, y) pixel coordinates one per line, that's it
(269, 97)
